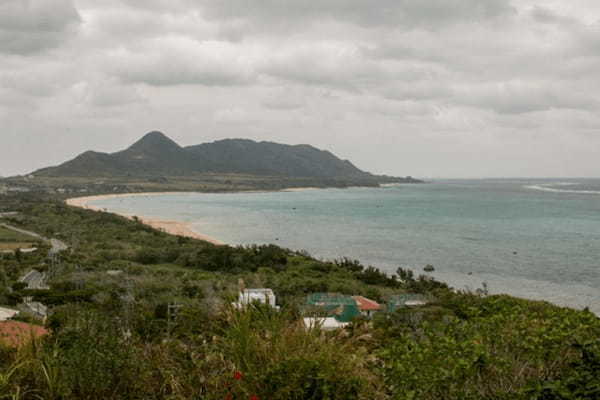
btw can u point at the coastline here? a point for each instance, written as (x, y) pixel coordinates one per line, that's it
(172, 227)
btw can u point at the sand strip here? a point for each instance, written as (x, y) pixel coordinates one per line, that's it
(172, 227)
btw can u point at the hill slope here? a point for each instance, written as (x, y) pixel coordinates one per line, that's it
(156, 154)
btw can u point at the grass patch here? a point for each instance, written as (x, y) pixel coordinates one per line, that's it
(16, 245)
(8, 235)
(11, 240)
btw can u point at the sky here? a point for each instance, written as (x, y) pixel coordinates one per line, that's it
(428, 88)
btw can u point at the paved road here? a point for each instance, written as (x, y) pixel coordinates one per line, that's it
(35, 279)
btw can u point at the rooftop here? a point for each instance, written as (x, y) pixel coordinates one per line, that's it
(7, 313)
(365, 304)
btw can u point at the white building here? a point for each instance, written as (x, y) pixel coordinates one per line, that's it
(263, 296)
(7, 313)
(325, 323)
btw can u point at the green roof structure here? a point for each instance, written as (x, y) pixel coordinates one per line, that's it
(339, 306)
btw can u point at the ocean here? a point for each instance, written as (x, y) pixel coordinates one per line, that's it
(535, 238)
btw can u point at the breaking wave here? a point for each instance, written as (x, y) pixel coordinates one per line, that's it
(552, 187)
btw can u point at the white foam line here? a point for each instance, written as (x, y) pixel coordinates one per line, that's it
(545, 188)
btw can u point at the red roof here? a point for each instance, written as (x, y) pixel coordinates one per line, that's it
(365, 304)
(15, 333)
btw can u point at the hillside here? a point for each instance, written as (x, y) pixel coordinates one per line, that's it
(157, 155)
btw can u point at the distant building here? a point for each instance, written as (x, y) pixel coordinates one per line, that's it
(18, 189)
(263, 296)
(7, 313)
(16, 333)
(366, 306)
(325, 323)
(406, 300)
(330, 310)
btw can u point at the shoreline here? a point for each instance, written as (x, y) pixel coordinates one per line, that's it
(171, 227)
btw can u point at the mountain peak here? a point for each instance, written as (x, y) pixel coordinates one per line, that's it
(154, 141)
(157, 155)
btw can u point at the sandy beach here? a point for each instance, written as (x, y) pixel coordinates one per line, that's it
(172, 227)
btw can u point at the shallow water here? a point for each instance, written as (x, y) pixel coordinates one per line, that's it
(531, 238)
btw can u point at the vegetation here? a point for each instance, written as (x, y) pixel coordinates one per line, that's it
(139, 314)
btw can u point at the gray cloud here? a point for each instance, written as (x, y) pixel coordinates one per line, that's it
(398, 86)
(28, 26)
(524, 97)
(402, 13)
(180, 60)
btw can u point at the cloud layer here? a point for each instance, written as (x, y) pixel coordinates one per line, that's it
(419, 87)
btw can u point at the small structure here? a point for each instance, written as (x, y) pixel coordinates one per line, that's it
(7, 313)
(18, 189)
(406, 300)
(366, 306)
(330, 310)
(325, 323)
(16, 333)
(263, 296)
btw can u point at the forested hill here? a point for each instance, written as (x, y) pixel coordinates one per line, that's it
(156, 154)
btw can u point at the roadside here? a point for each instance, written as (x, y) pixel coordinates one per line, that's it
(34, 279)
(57, 245)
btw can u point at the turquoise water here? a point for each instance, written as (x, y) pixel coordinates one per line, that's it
(531, 238)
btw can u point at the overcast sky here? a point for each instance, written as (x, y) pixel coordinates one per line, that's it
(429, 88)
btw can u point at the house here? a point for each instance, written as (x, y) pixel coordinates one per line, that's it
(325, 323)
(366, 306)
(406, 300)
(263, 296)
(7, 313)
(16, 333)
(330, 310)
(18, 189)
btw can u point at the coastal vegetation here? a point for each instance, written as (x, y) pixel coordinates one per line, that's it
(136, 313)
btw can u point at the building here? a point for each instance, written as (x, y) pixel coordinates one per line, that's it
(366, 306)
(326, 323)
(330, 310)
(16, 333)
(263, 296)
(18, 189)
(7, 313)
(406, 300)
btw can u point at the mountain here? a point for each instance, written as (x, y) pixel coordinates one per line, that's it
(157, 155)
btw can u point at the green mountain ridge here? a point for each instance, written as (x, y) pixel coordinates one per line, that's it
(157, 155)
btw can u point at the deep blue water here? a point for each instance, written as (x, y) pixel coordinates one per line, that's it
(531, 238)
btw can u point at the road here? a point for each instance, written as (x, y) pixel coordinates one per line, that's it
(35, 279)
(57, 245)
